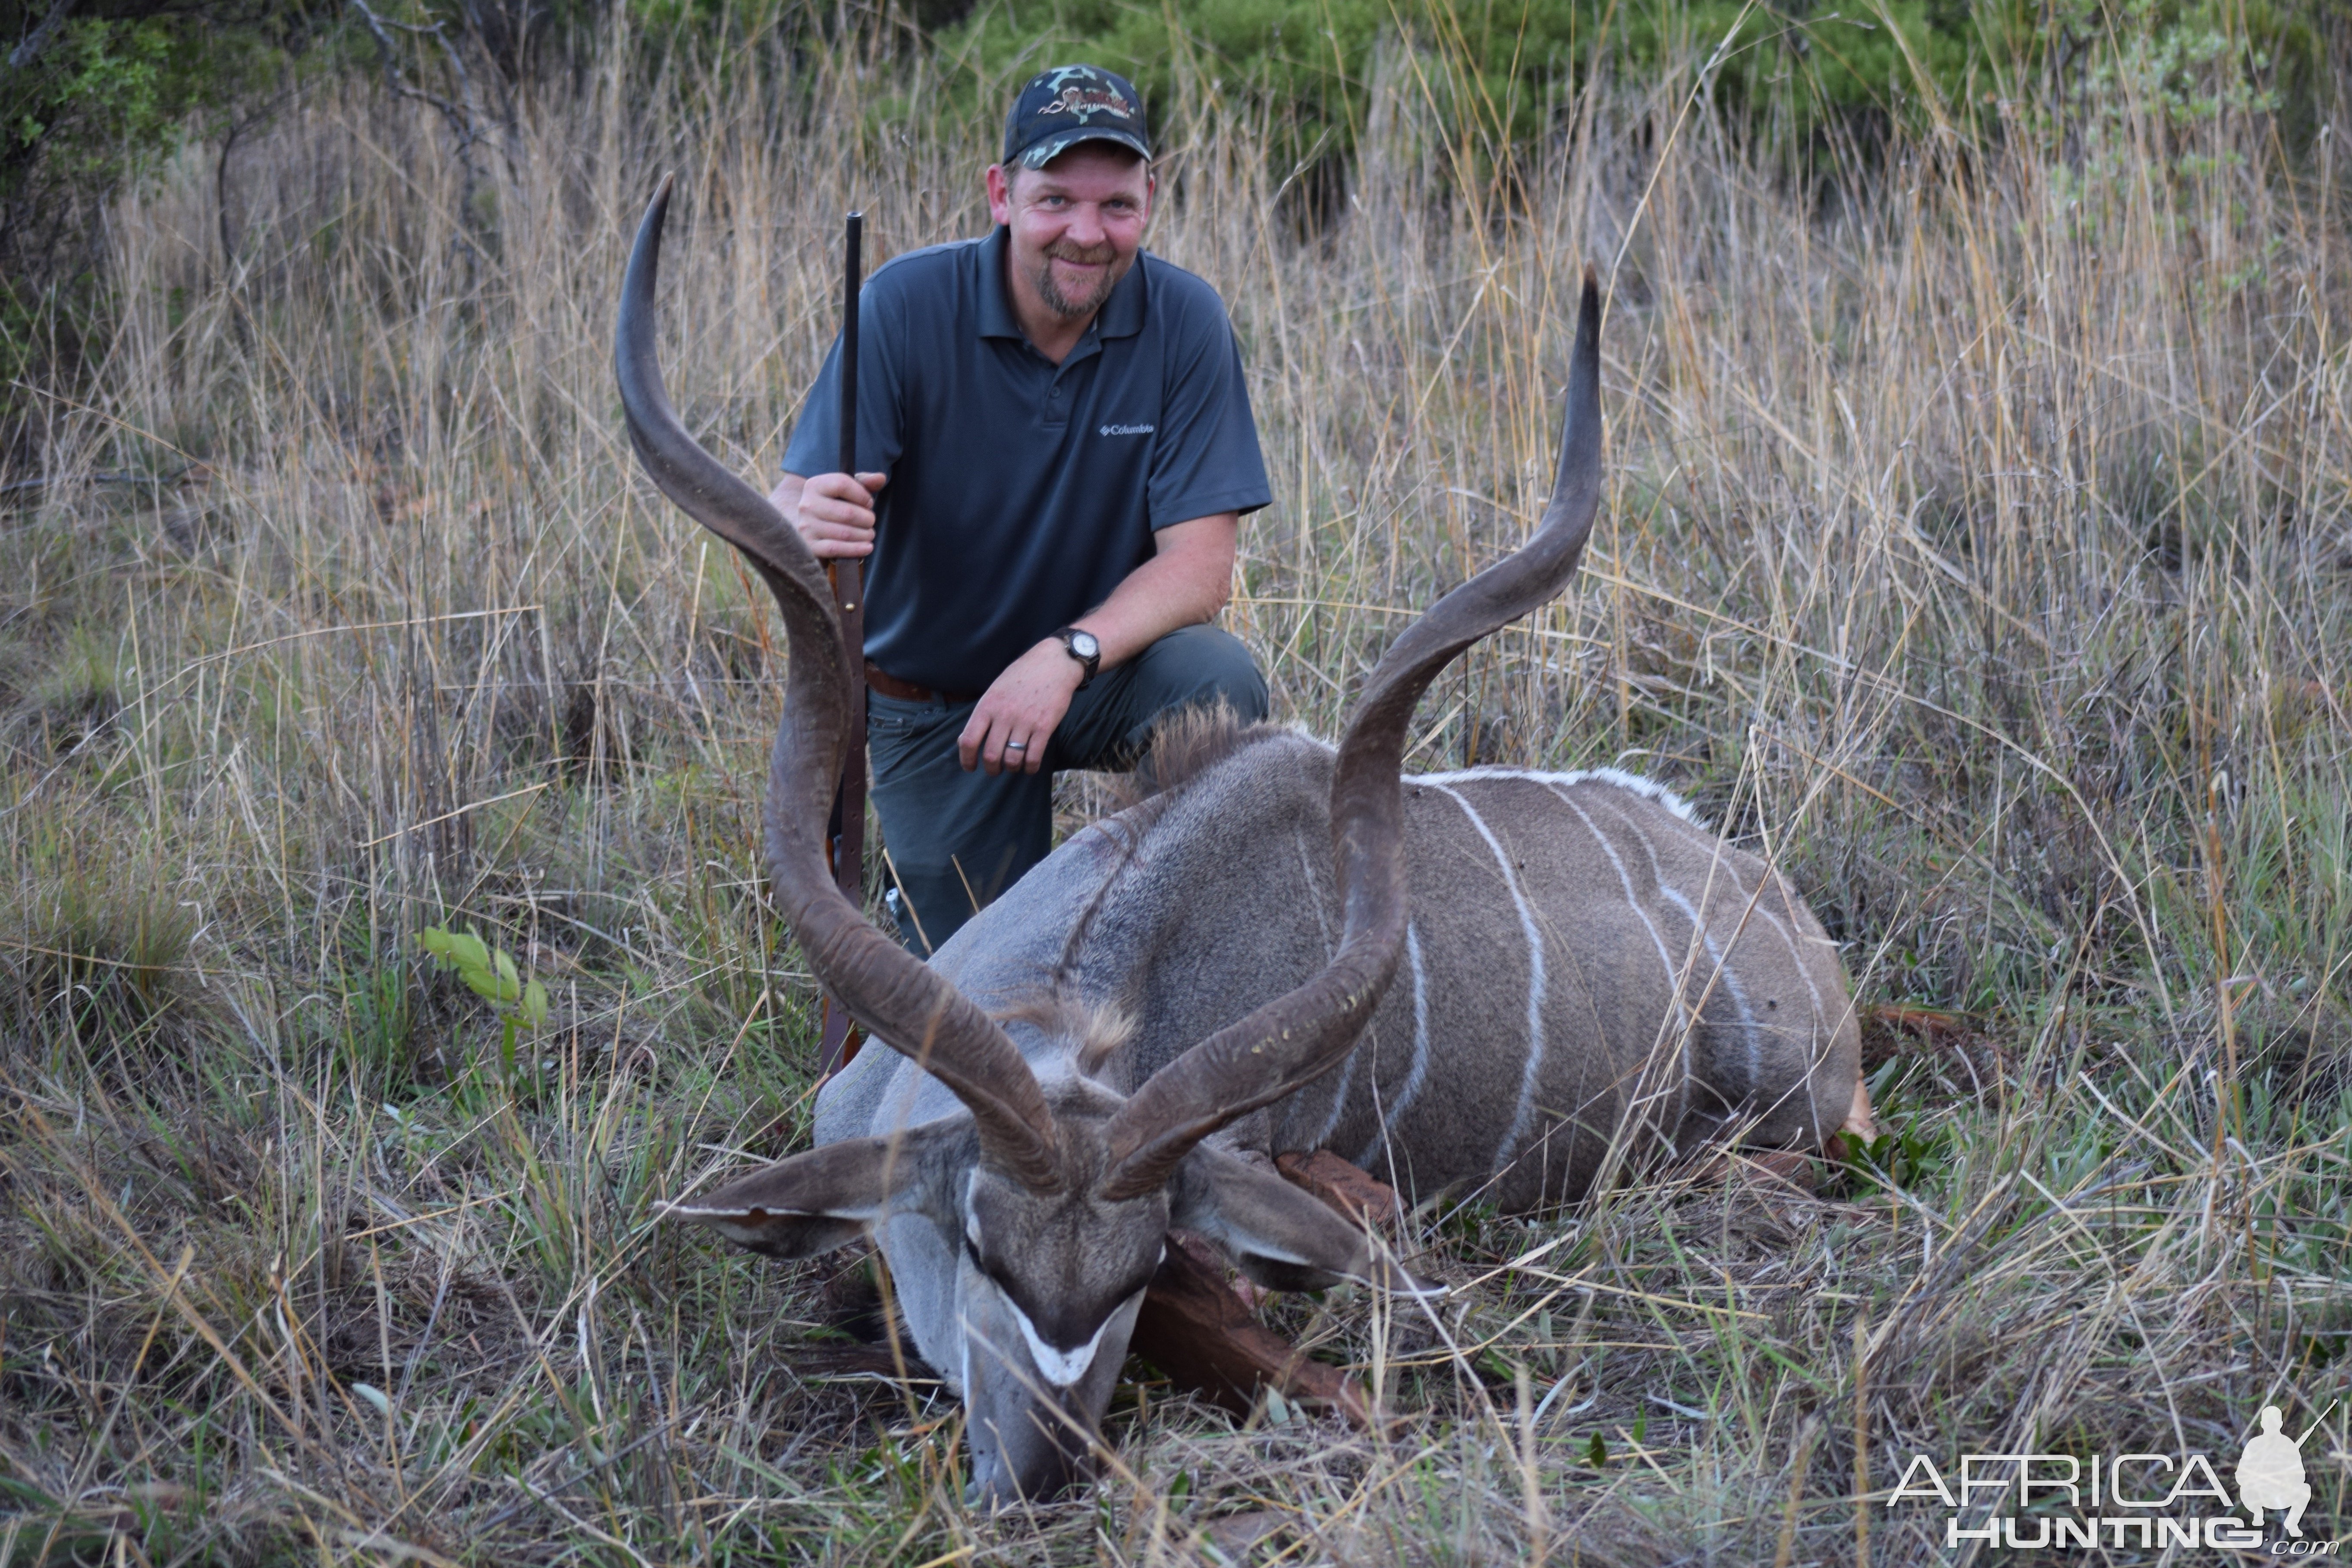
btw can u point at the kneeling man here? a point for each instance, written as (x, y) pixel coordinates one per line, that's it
(1054, 449)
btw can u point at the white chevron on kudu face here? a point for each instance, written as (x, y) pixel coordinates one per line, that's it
(1270, 926)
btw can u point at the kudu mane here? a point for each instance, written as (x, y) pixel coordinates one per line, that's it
(1187, 744)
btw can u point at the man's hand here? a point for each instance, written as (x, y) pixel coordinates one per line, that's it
(1017, 713)
(833, 514)
(1184, 583)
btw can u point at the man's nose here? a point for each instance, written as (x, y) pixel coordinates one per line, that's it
(1085, 224)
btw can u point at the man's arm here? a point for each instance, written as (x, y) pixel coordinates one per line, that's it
(1187, 581)
(833, 512)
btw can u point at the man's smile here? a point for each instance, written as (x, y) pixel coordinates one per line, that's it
(1075, 279)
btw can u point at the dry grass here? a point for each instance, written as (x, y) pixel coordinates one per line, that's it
(1978, 543)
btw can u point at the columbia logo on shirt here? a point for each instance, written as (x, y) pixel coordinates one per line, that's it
(1126, 430)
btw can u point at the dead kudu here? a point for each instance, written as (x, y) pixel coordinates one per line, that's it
(1494, 980)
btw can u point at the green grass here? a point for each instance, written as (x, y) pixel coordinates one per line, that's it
(1978, 545)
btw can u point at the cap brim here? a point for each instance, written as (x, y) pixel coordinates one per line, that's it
(1061, 142)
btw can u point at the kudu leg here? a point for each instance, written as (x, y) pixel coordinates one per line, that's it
(1194, 1328)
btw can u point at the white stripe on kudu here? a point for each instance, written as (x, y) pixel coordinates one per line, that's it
(1632, 901)
(1348, 1073)
(1763, 900)
(1533, 1069)
(1715, 952)
(1339, 1098)
(1648, 789)
(1419, 1075)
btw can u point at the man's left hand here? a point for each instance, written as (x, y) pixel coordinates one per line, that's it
(1016, 719)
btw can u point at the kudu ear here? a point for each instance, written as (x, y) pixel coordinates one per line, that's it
(1281, 1236)
(826, 1198)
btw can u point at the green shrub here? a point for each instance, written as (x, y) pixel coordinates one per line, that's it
(1495, 69)
(90, 95)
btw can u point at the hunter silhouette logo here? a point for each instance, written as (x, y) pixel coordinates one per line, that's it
(2270, 1474)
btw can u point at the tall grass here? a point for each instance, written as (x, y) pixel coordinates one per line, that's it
(1978, 543)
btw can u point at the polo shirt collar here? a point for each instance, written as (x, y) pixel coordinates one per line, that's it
(996, 316)
(1122, 314)
(1120, 317)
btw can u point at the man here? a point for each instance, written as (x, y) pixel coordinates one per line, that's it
(1056, 449)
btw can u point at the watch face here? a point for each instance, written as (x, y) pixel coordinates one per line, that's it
(1083, 644)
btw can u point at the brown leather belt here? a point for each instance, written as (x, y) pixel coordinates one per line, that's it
(890, 685)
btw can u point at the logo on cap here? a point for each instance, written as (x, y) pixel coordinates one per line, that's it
(1087, 102)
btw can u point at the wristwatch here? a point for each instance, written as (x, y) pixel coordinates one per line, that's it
(1082, 647)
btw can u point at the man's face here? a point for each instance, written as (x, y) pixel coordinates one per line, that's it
(1075, 224)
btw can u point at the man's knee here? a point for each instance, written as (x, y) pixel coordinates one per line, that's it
(1203, 666)
(957, 838)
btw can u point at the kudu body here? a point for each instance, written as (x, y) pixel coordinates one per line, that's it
(1583, 956)
(1090, 1061)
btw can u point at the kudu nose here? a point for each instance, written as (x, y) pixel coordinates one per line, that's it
(996, 1486)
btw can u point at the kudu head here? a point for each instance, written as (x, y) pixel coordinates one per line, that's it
(1022, 1233)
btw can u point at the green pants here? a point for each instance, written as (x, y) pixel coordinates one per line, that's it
(956, 839)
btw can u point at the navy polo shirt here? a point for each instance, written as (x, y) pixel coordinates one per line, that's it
(1022, 492)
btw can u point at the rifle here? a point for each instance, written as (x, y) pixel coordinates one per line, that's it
(845, 838)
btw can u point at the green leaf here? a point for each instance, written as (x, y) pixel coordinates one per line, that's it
(534, 1004)
(1596, 1453)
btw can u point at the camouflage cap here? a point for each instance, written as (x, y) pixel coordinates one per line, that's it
(1070, 104)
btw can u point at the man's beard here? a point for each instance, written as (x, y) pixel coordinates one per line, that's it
(1061, 304)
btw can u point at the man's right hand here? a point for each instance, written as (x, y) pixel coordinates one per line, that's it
(833, 514)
